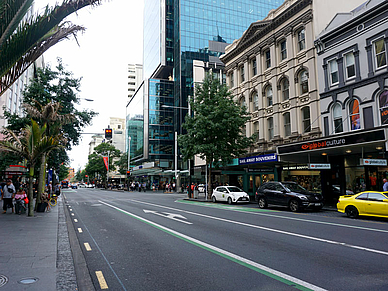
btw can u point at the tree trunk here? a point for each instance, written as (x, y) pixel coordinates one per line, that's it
(41, 182)
(209, 194)
(30, 192)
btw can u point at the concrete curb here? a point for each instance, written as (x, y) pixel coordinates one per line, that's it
(82, 273)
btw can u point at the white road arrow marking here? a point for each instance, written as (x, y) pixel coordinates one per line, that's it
(168, 215)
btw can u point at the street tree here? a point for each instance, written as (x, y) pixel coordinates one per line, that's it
(215, 130)
(22, 41)
(31, 144)
(96, 163)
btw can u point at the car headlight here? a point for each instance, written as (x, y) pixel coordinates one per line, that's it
(302, 197)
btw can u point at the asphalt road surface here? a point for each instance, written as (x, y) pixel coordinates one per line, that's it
(156, 241)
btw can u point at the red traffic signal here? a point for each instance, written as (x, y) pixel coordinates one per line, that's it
(108, 133)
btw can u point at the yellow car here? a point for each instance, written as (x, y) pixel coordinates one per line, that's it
(368, 203)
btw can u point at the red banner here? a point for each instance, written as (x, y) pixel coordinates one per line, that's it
(106, 162)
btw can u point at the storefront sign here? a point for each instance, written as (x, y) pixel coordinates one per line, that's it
(319, 166)
(328, 143)
(261, 170)
(292, 168)
(373, 162)
(258, 159)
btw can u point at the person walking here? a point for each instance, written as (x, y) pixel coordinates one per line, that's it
(20, 201)
(385, 185)
(7, 196)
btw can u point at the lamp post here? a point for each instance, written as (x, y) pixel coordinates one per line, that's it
(176, 146)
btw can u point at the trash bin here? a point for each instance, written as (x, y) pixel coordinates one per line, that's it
(196, 193)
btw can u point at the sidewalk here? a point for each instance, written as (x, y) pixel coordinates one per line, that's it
(36, 250)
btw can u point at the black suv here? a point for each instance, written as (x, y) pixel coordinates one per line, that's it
(288, 194)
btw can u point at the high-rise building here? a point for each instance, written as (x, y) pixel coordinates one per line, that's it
(135, 77)
(176, 33)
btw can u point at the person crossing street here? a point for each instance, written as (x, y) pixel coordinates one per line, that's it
(7, 196)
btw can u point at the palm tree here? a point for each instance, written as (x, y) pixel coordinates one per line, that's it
(22, 42)
(31, 145)
(50, 116)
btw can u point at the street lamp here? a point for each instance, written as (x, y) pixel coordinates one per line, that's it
(176, 145)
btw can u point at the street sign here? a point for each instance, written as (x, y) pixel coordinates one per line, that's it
(319, 166)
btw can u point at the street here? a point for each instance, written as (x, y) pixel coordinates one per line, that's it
(159, 241)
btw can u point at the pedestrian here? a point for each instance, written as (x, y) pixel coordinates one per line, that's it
(144, 186)
(57, 189)
(20, 201)
(385, 185)
(7, 196)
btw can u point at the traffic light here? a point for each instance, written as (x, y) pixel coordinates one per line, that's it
(108, 133)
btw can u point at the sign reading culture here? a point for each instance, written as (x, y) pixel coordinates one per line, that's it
(258, 159)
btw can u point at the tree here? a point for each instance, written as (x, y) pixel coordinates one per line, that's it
(215, 131)
(122, 164)
(22, 41)
(31, 145)
(63, 172)
(96, 163)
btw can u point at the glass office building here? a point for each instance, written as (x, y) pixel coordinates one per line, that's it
(176, 32)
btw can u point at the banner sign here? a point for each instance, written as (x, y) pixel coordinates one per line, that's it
(258, 159)
(319, 166)
(373, 162)
(327, 143)
(106, 162)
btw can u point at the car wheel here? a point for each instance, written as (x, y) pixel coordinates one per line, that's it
(351, 211)
(294, 205)
(214, 199)
(230, 201)
(262, 202)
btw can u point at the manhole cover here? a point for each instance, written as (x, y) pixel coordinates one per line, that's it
(3, 280)
(28, 280)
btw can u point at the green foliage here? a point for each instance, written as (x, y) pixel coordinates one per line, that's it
(63, 172)
(215, 130)
(96, 163)
(22, 41)
(80, 175)
(122, 164)
(7, 159)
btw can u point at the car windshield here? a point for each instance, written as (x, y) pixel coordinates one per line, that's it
(294, 187)
(235, 189)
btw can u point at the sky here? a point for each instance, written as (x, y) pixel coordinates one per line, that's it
(112, 40)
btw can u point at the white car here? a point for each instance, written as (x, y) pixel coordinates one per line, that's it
(90, 186)
(201, 188)
(230, 194)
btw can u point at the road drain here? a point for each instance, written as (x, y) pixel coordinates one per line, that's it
(3, 280)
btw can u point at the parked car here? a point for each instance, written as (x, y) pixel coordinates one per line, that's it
(231, 194)
(74, 186)
(90, 186)
(368, 203)
(289, 194)
(201, 188)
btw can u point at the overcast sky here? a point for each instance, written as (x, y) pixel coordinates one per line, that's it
(112, 40)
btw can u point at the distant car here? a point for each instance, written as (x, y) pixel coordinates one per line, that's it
(81, 185)
(368, 203)
(289, 194)
(201, 188)
(337, 190)
(90, 186)
(74, 186)
(230, 194)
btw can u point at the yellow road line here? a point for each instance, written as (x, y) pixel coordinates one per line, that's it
(87, 247)
(80, 230)
(101, 280)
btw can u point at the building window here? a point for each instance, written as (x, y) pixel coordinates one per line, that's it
(306, 119)
(383, 102)
(287, 124)
(381, 58)
(354, 109)
(304, 84)
(337, 117)
(283, 50)
(270, 128)
(242, 74)
(333, 72)
(350, 67)
(254, 67)
(231, 80)
(256, 127)
(242, 102)
(268, 95)
(285, 86)
(301, 39)
(267, 59)
(255, 99)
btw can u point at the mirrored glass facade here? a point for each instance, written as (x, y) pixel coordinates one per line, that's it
(135, 124)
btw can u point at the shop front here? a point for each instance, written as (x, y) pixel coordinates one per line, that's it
(344, 164)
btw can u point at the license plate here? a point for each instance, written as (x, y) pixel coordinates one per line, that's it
(317, 204)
